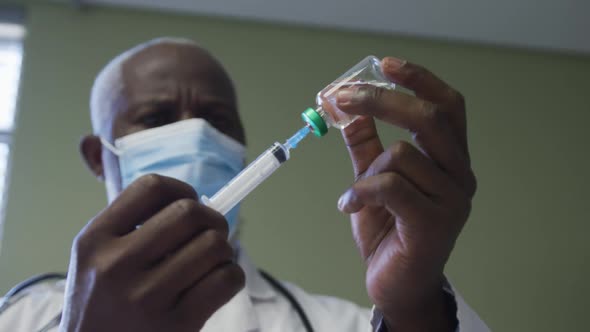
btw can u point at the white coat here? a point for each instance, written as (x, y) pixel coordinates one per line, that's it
(259, 307)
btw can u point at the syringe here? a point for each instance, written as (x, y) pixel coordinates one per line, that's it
(318, 120)
(253, 175)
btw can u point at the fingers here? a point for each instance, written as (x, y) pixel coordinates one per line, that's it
(186, 267)
(429, 87)
(425, 84)
(138, 202)
(437, 119)
(405, 159)
(389, 190)
(393, 107)
(429, 125)
(200, 301)
(363, 143)
(171, 228)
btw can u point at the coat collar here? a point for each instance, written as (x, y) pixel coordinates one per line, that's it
(256, 286)
(239, 313)
(236, 315)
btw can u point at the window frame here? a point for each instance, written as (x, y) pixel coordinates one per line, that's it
(11, 15)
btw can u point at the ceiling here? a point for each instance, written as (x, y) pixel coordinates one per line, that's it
(559, 25)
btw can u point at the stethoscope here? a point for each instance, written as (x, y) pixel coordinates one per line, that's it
(54, 322)
(292, 300)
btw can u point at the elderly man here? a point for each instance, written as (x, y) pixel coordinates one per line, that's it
(167, 129)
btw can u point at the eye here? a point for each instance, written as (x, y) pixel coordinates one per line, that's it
(216, 117)
(219, 122)
(155, 118)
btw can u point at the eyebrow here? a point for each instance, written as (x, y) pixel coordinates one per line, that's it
(166, 100)
(216, 100)
(151, 101)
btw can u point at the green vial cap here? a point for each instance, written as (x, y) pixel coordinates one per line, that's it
(315, 120)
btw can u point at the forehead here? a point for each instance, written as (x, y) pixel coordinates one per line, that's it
(163, 69)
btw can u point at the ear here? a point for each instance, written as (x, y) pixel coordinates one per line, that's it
(91, 151)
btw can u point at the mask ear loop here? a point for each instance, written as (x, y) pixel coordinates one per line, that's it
(116, 152)
(110, 147)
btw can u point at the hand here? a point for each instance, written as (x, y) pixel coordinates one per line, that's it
(408, 203)
(170, 274)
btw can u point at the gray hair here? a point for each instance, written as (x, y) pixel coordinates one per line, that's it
(109, 81)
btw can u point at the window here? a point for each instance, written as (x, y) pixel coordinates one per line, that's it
(11, 37)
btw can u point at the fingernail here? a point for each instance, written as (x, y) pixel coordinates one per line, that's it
(392, 64)
(346, 97)
(343, 201)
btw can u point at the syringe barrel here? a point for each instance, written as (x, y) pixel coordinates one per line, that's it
(248, 179)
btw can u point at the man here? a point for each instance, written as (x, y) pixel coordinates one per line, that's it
(167, 130)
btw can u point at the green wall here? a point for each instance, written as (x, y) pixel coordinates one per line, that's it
(522, 260)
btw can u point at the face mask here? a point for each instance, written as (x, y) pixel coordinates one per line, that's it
(190, 150)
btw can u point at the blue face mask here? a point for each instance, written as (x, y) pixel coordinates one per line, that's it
(190, 150)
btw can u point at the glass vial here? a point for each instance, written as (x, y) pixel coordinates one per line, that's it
(366, 72)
